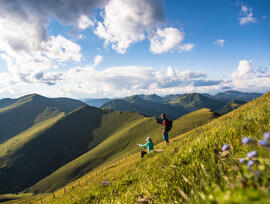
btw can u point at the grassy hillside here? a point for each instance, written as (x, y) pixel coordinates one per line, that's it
(121, 142)
(17, 115)
(193, 169)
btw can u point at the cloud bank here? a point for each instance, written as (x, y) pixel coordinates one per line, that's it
(81, 82)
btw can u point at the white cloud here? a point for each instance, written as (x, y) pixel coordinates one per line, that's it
(219, 42)
(186, 47)
(84, 22)
(24, 45)
(247, 78)
(246, 15)
(168, 39)
(126, 21)
(244, 70)
(97, 60)
(61, 49)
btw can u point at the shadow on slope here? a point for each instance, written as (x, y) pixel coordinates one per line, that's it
(28, 110)
(49, 149)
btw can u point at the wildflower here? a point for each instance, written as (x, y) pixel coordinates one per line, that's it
(263, 143)
(225, 147)
(252, 154)
(242, 160)
(247, 140)
(257, 173)
(249, 164)
(266, 136)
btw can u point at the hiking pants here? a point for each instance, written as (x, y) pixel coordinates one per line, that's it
(143, 153)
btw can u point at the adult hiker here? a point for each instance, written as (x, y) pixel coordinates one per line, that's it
(149, 145)
(167, 125)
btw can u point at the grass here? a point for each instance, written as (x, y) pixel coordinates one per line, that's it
(12, 197)
(192, 168)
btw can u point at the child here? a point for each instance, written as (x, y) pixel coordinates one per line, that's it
(149, 145)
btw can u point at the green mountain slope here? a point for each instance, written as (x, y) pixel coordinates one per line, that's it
(234, 104)
(120, 142)
(196, 101)
(6, 102)
(236, 95)
(16, 115)
(194, 169)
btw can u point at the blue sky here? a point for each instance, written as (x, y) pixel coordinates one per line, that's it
(142, 46)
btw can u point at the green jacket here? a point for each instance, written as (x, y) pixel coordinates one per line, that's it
(149, 145)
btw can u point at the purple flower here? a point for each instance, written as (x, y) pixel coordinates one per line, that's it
(252, 154)
(247, 140)
(266, 136)
(249, 164)
(242, 160)
(263, 143)
(225, 147)
(257, 173)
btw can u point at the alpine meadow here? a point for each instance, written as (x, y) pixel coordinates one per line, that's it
(134, 101)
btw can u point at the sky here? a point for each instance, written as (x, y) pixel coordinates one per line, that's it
(116, 48)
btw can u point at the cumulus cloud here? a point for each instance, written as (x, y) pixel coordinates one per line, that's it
(126, 21)
(28, 47)
(68, 12)
(219, 42)
(61, 49)
(244, 70)
(168, 39)
(24, 44)
(165, 40)
(247, 78)
(84, 22)
(98, 59)
(246, 15)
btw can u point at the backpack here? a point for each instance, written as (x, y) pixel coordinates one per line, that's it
(169, 125)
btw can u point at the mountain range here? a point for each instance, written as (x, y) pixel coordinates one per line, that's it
(177, 105)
